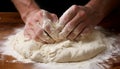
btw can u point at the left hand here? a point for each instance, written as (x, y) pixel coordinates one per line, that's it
(40, 25)
(78, 20)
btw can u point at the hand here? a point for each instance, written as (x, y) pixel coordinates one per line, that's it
(39, 25)
(77, 20)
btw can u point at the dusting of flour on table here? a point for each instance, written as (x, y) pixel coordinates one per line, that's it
(110, 44)
(87, 53)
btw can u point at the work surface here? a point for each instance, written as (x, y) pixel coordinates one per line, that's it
(7, 28)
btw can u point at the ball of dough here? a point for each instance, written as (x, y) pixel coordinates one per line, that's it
(64, 51)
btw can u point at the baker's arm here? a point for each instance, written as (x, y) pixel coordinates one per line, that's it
(25, 6)
(103, 7)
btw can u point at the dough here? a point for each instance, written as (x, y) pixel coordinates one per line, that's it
(64, 51)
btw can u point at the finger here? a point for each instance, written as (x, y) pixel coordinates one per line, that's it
(79, 37)
(72, 24)
(31, 32)
(52, 32)
(88, 29)
(51, 16)
(43, 35)
(51, 29)
(68, 15)
(49, 24)
(85, 33)
(46, 15)
(26, 34)
(76, 31)
(39, 17)
(54, 18)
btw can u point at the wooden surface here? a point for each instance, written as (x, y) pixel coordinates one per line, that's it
(10, 17)
(8, 25)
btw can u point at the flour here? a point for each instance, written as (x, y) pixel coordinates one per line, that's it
(93, 63)
(87, 53)
(65, 51)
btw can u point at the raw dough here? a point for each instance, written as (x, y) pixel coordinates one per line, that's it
(65, 51)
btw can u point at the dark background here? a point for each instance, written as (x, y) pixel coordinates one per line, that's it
(59, 6)
(54, 6)
(7, 6)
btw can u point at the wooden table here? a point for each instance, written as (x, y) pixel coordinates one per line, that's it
(11, 20)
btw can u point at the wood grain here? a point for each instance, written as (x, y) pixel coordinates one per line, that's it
(10, 17)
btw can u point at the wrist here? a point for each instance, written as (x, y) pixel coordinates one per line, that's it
(103, 7)
(28, 13)
(31, 8)
(96, 8)
(25, 7)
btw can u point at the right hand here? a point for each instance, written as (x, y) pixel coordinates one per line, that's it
(78, 21)
(39, 24)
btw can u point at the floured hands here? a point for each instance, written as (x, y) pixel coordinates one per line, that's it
(78, 20)
(39, 24)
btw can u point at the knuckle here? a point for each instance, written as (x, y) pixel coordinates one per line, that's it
(52, 14)
(70, 25)
(82, 13)
(74, 7)
(35, 37)
(77, 31)
(26, 33)
(39, 32)
(41, 11)
(71, 36)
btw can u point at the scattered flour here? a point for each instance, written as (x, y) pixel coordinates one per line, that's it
(65, 51)
(93, 63)
(88, 53)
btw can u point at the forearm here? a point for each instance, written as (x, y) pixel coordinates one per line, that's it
(103, 7)
(25, 6)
